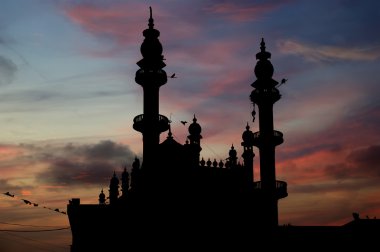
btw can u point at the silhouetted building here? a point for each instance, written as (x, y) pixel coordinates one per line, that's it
(174, 196)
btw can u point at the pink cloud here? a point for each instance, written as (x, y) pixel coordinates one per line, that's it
(328, 53)
(123, 25)
(115, 22)
(9, 151)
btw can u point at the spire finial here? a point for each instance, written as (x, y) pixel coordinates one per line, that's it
(170, 134)
(151, 24)
(263, 55)
(262, 45)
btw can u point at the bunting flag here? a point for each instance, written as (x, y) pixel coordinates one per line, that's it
(28, 202)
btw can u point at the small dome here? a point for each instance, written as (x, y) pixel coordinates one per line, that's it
(232, 152)
(248, 136)
(114, 179)
(102, 198)
(195, 128)
(102, 195)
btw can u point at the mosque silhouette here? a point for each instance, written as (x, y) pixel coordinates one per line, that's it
(174, 199)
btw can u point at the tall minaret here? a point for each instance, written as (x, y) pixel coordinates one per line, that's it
(151, 77)
(264, 95)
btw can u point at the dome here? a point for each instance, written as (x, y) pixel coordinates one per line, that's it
(264, 69)
(195, 128)
(248, 136)
(151, 48)
(102, 195)
(232, 152)
(114, 179)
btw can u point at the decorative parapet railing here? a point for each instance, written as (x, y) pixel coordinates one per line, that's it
(221, 164)
(281, 188)
(260, 94)
(277, 138)
(139, 123)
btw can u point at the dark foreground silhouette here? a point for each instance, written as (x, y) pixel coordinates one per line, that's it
(175, 200)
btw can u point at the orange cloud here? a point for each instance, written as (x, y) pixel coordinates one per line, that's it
(26, 192)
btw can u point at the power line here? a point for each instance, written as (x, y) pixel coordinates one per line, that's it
(39, 242)
(33, 231)
(25, 225)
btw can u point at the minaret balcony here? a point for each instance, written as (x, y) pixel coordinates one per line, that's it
(281, 188)
(139, 123)
(277, 138)
(151, 77)
(260, 95)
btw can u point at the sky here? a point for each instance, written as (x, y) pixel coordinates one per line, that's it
(68, 99)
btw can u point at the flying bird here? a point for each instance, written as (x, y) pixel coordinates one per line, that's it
(173, 76)
(183, 122)
(282, 82)
(9, 194)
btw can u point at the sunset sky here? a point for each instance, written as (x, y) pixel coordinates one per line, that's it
(68, 99)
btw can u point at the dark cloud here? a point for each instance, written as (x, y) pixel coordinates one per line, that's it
(338, 171)
(366, 160)
(77, 164)
(7, 70)
(360, 163)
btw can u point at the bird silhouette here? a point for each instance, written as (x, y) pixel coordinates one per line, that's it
(173, 76)
(282, 82)
(183, 122)
(9, 194)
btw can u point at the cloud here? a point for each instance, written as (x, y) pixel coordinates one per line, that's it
(57, 166)
(242, 13)
(8, 70)
(5, 186)
(366, 161)
(113, 24)
(120, 25)
(83, 164)
(329, 53)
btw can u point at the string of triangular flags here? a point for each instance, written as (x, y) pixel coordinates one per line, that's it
(28, 202)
